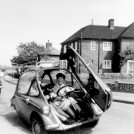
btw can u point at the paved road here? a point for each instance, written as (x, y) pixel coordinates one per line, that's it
(9, 120)
(119, 119)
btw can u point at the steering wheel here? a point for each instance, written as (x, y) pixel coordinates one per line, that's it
(64, 87)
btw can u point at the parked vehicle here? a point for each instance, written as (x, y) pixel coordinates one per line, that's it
(32, 101)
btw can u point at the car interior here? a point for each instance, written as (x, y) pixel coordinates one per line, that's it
(48, 80)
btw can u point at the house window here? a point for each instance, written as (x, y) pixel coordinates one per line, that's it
(71, 45)
(107, 46)
(131, 66)
(106, 64)
(64, 49)
(93, 45)
(75, 46)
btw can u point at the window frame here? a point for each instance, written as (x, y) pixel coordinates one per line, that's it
(33, 88)
(107, 46)
(93, 45)
(64, 48)
(105, 64)
(22, 79)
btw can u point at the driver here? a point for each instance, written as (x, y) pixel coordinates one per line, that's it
(61, 100)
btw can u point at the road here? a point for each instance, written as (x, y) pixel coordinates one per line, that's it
(119, 119)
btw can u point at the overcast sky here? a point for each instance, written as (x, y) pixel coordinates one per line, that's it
(54, 20)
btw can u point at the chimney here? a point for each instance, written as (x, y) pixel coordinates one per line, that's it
(111, 23)
(48, 45)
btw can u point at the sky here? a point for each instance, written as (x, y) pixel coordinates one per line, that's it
(24, 21)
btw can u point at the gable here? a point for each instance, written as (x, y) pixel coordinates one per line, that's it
(129, 32)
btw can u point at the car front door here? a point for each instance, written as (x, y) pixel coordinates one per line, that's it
(21, 97)
(94, 86)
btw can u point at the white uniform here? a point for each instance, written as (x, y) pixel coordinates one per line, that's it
(65, 102)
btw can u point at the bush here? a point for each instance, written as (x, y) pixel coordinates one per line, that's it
(14, 74)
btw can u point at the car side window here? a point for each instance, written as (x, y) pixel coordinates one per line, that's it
(25, 82)
(34, 89)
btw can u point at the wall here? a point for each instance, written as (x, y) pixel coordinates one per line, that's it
(126, 43)
(91, 56)
(106, 55)
(122, 87)
(124, 68)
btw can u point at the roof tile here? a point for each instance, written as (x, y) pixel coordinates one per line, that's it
(129, 32)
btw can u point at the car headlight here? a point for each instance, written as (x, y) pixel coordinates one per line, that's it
(46, 110)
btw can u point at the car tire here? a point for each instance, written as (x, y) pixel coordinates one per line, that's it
(37, 126)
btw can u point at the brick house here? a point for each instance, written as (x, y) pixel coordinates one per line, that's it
(100, 45)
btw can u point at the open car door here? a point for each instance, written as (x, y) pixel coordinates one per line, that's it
(92, 83)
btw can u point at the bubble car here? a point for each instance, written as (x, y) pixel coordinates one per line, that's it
(33, 103)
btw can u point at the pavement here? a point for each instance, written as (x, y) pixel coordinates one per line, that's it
(121, 97)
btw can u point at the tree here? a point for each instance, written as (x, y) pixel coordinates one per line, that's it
(27, 52)
(127, 54)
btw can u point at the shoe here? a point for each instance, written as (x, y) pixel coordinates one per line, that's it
(80, 119)
(68, 121)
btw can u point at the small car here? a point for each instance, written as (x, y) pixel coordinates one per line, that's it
(33, 103)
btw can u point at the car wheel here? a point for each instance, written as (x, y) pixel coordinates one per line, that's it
(37, 126)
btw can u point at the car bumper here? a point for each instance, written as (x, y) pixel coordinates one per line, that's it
(63, 127)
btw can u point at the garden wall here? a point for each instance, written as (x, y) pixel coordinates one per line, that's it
(122, 87)
(119, 82)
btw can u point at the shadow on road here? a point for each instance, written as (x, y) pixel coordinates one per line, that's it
(14, 119)
(78, 130)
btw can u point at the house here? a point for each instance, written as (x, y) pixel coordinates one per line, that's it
(52, 53)
(128, 67)
(100, 45)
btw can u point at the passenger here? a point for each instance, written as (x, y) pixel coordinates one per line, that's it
(64, 117)
(61, 100)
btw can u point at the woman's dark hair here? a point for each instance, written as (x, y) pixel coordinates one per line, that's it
(60, 75)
